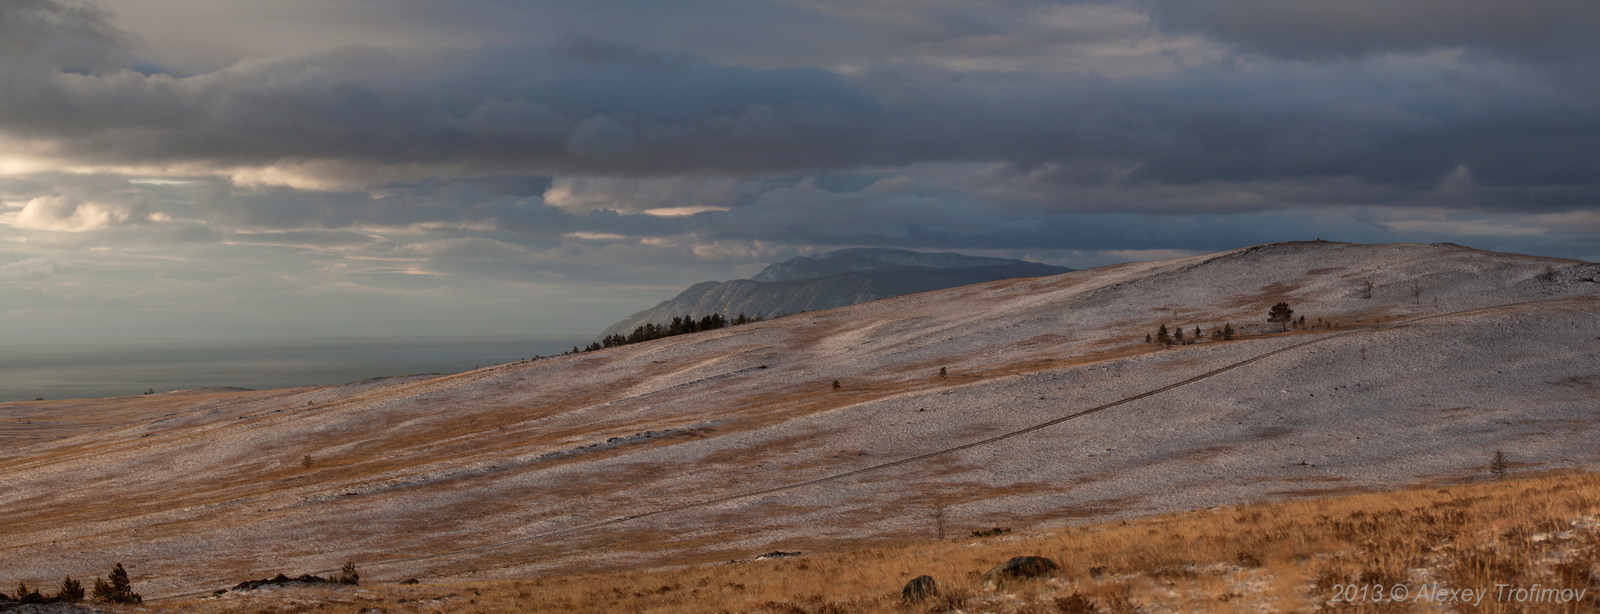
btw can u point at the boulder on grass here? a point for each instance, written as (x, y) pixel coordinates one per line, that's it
(918, 589)
(1020, 568)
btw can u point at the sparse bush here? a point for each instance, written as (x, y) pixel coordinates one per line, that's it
(814, 604)
(305, 461)
(997, 531)
(1119, 599)
(1077, 603)
(348, 574)
(952, 599)
(1485, 567)
(25, 594)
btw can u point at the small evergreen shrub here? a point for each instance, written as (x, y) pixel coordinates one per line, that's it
(118, 590)
(71, 591)
(347, 574)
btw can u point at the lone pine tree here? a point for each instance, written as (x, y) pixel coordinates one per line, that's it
(1499, 468)
(1281, 315)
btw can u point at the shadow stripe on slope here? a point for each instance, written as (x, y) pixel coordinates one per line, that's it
(916, 458)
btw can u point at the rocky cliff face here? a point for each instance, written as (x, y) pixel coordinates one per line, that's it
(833, 279)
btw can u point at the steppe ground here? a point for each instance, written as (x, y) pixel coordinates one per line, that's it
(1325, 553)
(1416, 362)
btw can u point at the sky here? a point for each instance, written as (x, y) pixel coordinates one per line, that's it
(409, 167)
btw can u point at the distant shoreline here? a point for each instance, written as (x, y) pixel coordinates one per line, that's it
(68, 369)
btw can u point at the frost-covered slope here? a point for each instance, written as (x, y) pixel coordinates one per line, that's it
(1437, 356)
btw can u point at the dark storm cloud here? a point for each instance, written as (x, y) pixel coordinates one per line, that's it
(47, 33)
(1346, 28)
(583, 105)
(595, 107)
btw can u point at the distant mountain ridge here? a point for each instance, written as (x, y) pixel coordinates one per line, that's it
(872, 259)
(833, 279)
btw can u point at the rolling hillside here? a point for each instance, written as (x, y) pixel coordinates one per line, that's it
(729, 443)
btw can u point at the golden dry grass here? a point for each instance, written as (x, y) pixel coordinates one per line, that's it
(1276, 557)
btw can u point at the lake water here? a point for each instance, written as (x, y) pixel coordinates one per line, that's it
(83, 369)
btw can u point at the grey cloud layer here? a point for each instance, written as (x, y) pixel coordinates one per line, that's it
(584, 105)
(1320, 29)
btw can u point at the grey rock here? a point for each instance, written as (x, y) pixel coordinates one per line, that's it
(919, 589)
(1021, 568)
